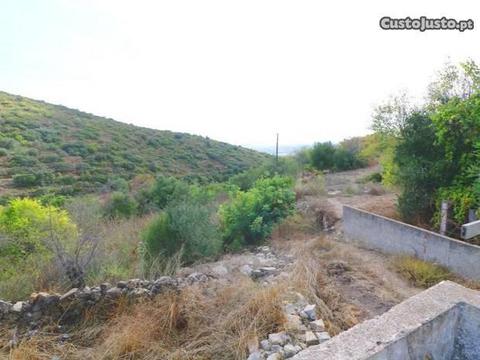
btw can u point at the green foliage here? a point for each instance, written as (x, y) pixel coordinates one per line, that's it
(326, 156)
(248, 219)
(184, 228)
(120, 205)
(26, 226)
(421, 168)
(422, 273)
(90, 152)
(285, 166)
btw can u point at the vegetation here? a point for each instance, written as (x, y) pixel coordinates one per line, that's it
(436, 147)
(250, 216)
(421, 273)
(46, 148)
(184, 230)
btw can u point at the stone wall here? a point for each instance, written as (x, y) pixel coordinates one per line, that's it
(391, 236)
(69, 308)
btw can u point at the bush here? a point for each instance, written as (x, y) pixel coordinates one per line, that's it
(120, 205)
(183, 228)
(326, 156)
(249, 218)
(421, 273)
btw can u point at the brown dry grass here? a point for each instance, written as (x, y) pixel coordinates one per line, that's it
(195, 324)
(310, 279)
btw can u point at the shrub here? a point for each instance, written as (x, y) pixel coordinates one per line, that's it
(311, 185)
(249, 218)
(421, 273)
(25, 180)
(3, 152)
(183, 228)
(120, 205)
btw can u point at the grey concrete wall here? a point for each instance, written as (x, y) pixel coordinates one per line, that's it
(391, 236)
(441, 323)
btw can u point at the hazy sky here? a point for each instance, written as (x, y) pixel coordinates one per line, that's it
(237, 71)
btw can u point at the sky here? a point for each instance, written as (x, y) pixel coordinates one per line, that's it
(236, 71)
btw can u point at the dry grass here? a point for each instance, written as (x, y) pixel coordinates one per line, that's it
(421, 273)
(194, 324)
(310, 185)
(310, 279)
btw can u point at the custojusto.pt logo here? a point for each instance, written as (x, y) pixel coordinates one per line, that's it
(423, 24)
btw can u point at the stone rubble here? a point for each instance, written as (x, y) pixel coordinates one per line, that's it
(302, 330)
(68, 308)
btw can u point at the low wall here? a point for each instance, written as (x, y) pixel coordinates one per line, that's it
(391, 236)
(439, 323)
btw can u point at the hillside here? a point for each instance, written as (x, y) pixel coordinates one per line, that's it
(50, 148)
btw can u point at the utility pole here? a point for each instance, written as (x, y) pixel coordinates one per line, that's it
(276, 152)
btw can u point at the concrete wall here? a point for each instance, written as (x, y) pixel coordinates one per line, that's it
(440, 323)
(391, 236)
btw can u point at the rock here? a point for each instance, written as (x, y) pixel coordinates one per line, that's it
(290, 350)
(246, 269)
(164, 283)
(104, 287)
(257, 355)
(114, 293)
(18, 306)
(220, 270)
(276, 349)
(322, 336)
(279, 338)
(294, 323)
(275, 356)
(5, 307)
(265, 345)
(309, 310)
(133, 283)
(268, 270)
(311, 339)
(122, 284)
(69, 294)
(196, 277)
(317, 325)
(290, 309)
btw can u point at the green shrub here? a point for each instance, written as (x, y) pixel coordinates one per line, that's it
(26, 180)
(120, 205)
(249, 218)
(3, 152)
(183, 228)
(421, 273)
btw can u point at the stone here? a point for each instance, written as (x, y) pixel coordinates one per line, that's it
(69, 294)
(265, 345)
(322, 336)
(317, 325)
(268, 270)
(290, 309)
(311, 338)
(114, 292)
(279, 338)
(290, 350)
(18, 306)
(294, 323)
(104, 287)
(257, 355)
(197, 277)
(122, 284)
(246, 269)
(309, 310)
(5, 307)
(275, 356)
(276, 348)
(220, 270)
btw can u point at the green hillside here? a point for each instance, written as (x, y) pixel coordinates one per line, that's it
(47, 148)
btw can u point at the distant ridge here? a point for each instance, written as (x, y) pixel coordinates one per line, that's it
(51, 148)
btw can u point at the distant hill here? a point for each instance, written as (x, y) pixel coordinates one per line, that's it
(50, 148)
